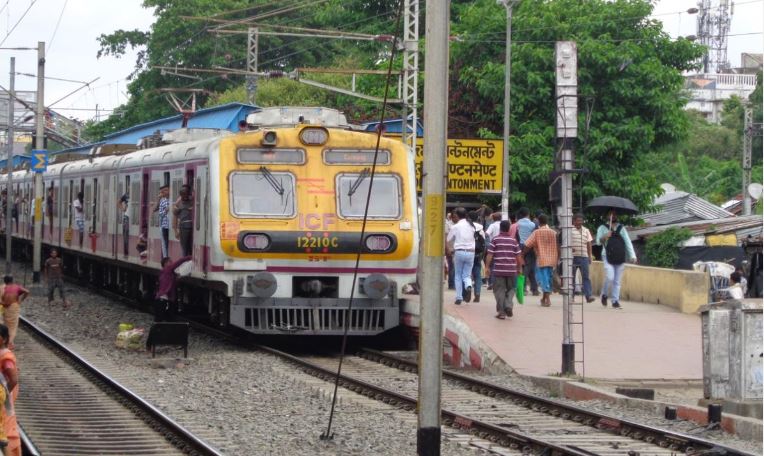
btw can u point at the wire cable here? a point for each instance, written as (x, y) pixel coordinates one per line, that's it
(58, 22)
(18, 22)
(328, 434)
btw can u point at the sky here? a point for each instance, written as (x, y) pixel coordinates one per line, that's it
(70, 29)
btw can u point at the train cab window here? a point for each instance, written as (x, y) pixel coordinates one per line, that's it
(352, 189)
(262, 194)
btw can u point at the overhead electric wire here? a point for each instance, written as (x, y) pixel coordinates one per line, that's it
(58, 22)
(31, 4)
(328, 434)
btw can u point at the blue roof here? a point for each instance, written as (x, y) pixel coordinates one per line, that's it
(226, 117)
(393, 126)
(17, 160)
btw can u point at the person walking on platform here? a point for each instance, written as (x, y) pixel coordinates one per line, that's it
(165, 295)
(10, 381)
(477, 263)
(543, 242)
(461, 239)
(490, 233)
(581, 245)
(617, 249)
(524, 229)
(449, 255)
(502, 252)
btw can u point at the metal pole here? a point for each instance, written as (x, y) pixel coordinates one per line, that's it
(9, 168)
(508, 4)
(747, 145)
(39, 145)
(252, 44)
(566, 63)
(433, 195)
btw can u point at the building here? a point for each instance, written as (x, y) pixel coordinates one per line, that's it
(675, 206)
(709, 91)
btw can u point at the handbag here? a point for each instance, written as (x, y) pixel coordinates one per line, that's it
(520, 288)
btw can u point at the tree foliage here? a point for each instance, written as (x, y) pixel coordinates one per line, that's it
(629, 74)
(662, 249)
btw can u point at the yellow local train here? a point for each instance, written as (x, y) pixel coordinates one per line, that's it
(278, 214)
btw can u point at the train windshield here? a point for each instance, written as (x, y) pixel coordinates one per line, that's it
(262, 194)
(352, 189)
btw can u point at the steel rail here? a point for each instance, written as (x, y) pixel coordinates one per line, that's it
(638, 431)
(485, 430)
(186, 440)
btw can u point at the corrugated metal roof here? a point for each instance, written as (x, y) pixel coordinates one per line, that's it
(679, 207)
(226, 116)
(741, 226)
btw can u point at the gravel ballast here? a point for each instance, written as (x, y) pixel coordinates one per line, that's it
(241, 401)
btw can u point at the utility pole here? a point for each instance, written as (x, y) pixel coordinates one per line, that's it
(508, 4)
(9, 168)
(252, 37)
(39, 145)
(747, 145)
(566, 65)
(410, 73)
(433, 195)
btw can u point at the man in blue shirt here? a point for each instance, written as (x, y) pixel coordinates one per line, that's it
(524, 229)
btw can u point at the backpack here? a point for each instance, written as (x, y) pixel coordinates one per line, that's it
(479, 241)
(615, 249)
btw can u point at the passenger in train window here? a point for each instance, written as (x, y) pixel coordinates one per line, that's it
(183, 222)
(163, 207)
(54, 275)
(49, 209)
(79, 215)
(123, 206)
(10, 380)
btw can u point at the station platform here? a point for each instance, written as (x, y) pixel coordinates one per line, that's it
(640, 341)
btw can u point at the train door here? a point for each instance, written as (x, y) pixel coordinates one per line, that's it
(201, 214)
(158, 179)
(143, 226)
(195, 196)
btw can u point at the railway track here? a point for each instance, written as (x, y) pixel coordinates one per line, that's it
(514, 420)
(68, 407)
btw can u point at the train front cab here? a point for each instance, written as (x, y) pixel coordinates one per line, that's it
(291, 211)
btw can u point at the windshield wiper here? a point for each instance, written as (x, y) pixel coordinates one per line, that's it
(357, 183)
(272, 180)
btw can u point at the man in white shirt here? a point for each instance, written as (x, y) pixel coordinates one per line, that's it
(461, 241)
(735, 291)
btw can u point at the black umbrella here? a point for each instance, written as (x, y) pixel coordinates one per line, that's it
(603, 204)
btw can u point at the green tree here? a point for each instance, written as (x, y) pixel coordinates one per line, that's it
(662, 249)
(627, 66)
(175, 41)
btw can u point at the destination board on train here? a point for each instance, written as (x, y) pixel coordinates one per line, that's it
(474, 165)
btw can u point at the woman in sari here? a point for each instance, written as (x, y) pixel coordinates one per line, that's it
(9, 380)
(13, 295)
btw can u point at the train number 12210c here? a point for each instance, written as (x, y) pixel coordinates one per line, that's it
(316, 242)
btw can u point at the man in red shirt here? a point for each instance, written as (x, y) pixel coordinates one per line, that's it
(165, 295)
(503, 251)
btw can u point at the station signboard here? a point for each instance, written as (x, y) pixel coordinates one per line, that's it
(475, 166)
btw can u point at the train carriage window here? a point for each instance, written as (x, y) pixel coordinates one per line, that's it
(95, 205)
(88, 197)
(352, 189)
(154, 198)
(104, 206)
(197, 203)
(135, 202)
(262, 194)
(65, 206)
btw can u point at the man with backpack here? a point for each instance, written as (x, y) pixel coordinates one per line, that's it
(617, 249)
(461, 242)
(480, 244)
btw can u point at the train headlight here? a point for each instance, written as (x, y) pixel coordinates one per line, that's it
(314, 136)
(376, 286)
(378, 243)
(263, 284)
(269, 138)
(255, 242)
